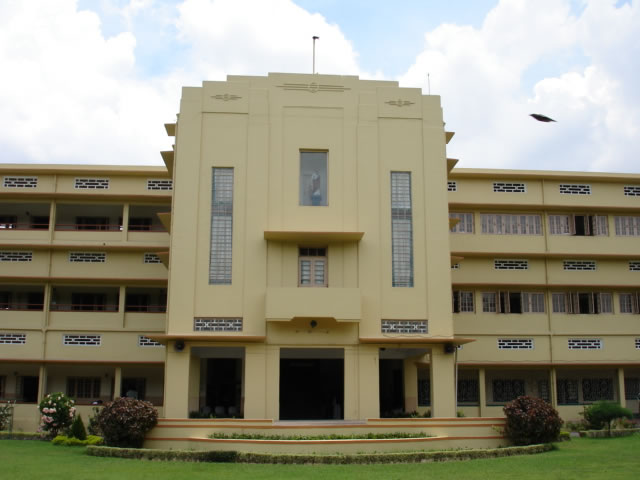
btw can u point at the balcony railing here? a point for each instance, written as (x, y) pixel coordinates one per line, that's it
(22, 307)
(23, 226)
(104, 227)
(75, 307)
(146, 308)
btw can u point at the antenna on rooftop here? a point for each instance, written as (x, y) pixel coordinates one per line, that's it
(314, 52)
(428, 84)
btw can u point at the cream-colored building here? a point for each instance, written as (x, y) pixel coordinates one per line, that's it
(325, 261)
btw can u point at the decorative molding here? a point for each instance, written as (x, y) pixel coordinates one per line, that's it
(313, 87)
(400, 103)
(226, 97)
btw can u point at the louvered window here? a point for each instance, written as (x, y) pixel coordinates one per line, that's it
(507, 224)
(582, 302)
(465, 222)
(630, 302)
(312, 265)
(579, 225)
(401, 230)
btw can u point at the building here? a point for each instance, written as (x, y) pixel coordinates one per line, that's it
(327, 262)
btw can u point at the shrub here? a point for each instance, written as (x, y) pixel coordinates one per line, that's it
(531, 420)
(94, 428)
(5, 415)
(125, 421)
(75, 442)
(56, 413)
(77, 429)
(602, 413)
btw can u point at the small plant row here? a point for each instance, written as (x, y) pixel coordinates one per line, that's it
(76, 442)
(334, 436)
(267, 458)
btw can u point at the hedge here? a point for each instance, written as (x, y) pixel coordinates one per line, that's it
(264, 458)
(22, 436)
(606, 434)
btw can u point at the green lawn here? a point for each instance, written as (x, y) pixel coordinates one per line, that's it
(583, 459)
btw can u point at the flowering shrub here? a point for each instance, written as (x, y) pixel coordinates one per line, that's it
(56, 413)
(531, 420)
(125, 421)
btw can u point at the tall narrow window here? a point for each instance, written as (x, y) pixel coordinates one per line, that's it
(312, 264)
(313, 179)
(221, 227)
(401, 230)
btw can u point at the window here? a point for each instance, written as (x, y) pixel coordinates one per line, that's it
(465, 224)
(579, 225)
(567, 391)
(401, 230)
(83, 387)
(631, 388)
(629, 302)
(92, 223)
(507, 389)
(313, 179)
(627, 226)
(462, 301)
(594, 389)
(312, 267)
(91, 302)
(424, 389)
(133, 387)
(468, 391)
(506, 224)
(140, 224)
(221, 227)
(513, 302)
(582, 302)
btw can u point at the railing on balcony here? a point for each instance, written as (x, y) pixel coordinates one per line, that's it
(104, 227)
(24, 226)
(78, 307)
(21, 307)
(146, 308)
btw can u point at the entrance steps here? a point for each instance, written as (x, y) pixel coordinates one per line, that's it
(440, 434)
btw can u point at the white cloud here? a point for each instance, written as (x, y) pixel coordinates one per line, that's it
(481, 74)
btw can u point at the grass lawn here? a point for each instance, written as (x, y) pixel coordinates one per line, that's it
(583, 459)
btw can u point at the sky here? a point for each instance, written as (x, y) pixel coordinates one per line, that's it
(93, 81)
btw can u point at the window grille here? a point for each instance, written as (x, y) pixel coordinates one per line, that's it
(594, 389)
(567, 391)
(92, 183)
(632, 190)
(160, 184)
(20, 182)
(465, 225)
(87, 257)
(13, 338)
(631, 388)
(401, 230)
(503, 187)
(83, 387)
(515, 344)
(507, 224)
(462, 301)
(221, 227)
(627, 226)
(543, 390)
(424, 392)
(82, 340)
(404, 326)
(217, 324)
(151, 258)
(634, 266)
(506, 390)
(468, 391)
(452, 186)
(579, 265)
(584, 343)
(575, 189)
(147, 342)
(511, 264)
(6, 256)
(637, 343)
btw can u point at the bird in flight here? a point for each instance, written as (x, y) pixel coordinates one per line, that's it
(541, 118)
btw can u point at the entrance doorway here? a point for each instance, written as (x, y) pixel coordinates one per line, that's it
(311, 384)
(221, 393)
(29, 389)
(391, 387)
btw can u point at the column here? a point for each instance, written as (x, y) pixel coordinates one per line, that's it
(176, 386)
(621, 392)
(122, 297)
(255, 381)
(553, 387)
(351, 404)
(42, 382)
(410, 384)
(272, 379)
(443, 390)
(369, 381)
(117, 383)
(194, 384)
(482, 386)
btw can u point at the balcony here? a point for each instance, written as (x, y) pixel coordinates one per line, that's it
(144, 220)
(21, 306)
(97, 222)
(341, 304)
(25, 221)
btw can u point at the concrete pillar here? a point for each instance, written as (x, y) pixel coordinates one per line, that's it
(621, 392)
(410, 384)
(194, 384)
(42, 382)
(272, 379)
(122, 297)
(443, 389)
(351, 404)
(369, 381)
(482, 386)
(117, 383)
(176, 387)
(125, 221)
(255, 384)
(553, 387)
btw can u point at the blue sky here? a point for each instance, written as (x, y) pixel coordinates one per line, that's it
(92, 81)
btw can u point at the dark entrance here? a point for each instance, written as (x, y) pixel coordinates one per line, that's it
(29, 389)
(311, 388)
(224, 386)
(391, 387)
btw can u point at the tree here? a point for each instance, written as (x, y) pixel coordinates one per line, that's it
(603, 413)
(531, 420)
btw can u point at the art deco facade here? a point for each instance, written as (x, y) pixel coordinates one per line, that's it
(325, 261)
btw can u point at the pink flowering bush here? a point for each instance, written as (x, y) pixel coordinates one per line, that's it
(56, 413)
